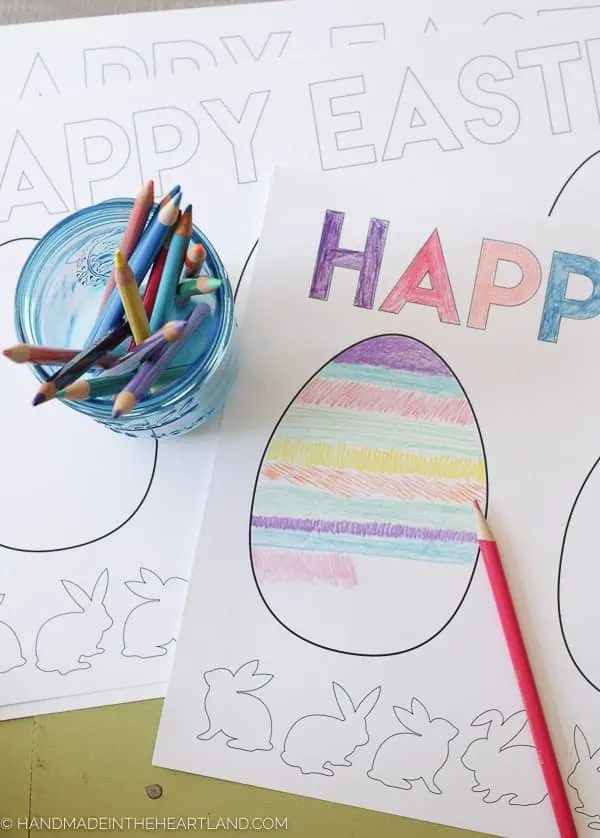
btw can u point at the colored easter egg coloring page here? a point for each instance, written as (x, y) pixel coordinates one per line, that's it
(363, 501)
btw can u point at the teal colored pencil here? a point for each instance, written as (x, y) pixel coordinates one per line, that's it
(92, 388)
(172, 270)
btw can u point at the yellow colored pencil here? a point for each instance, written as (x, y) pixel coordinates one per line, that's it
(132, 301)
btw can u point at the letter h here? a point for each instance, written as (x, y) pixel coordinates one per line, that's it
(331, 256)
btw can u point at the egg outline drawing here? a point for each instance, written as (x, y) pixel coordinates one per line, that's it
(485, 482)
(572, 179)
(113, 530)
(561, 562)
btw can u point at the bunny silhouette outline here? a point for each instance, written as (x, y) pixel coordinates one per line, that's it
(313, 742)
(417, 753)
(63, 640)
(243, 718)
(151, 626)
(502, 768)
(584, 779)
(11, 652)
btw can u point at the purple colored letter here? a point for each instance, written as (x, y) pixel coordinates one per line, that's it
(330, 256)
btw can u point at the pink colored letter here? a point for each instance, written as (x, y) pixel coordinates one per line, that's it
(429, 260)
(486, 294)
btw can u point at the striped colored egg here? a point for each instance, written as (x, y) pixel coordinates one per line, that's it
(362, 530)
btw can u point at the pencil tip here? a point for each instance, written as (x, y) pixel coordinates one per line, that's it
(38, 399)
(176, 199)
(484, 532)
(116, 413)
(119, 259)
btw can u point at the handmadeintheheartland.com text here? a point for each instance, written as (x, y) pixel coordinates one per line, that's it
(93, 823)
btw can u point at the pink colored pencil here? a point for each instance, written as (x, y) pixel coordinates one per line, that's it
(520, 661)
(25, 353)
(135, 226)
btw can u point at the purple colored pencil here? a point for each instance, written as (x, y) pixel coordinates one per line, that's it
(152, 368)
(169, 333)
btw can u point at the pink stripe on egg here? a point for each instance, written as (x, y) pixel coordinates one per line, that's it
(375, 398)
(280, 565)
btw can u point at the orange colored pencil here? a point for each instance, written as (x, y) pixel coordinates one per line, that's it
(520, 661)
(194, 259)
(135, 226)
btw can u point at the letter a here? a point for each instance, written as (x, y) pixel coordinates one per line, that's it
(429, 261)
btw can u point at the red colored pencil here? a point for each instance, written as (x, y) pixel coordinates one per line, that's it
(135, 226)
(520, 661)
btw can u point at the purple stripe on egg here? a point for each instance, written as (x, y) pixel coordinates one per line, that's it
(362, 528)
(395, 352)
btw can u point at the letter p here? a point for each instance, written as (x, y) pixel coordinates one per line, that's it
(557, 305)
(486, 293)
(331, 255)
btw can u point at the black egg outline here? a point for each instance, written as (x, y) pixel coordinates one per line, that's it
(561, 620)
(41, 551)
(475, 563)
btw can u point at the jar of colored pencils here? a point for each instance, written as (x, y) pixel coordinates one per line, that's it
(162, 382)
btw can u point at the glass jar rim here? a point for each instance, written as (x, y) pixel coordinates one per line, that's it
(171, 394)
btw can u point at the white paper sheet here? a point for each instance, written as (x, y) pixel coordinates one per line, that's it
(93, 148)
(48, 59)
(452, 357)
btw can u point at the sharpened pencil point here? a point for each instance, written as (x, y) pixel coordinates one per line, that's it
(116, 414)
(38, 399)
(484, 532)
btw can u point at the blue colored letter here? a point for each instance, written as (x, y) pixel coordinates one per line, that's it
(557, 305)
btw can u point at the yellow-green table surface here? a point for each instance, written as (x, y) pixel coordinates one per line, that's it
(98, 764)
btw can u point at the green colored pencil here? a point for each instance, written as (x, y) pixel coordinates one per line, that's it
(199, 285)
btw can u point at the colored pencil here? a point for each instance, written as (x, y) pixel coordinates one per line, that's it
(169, 333)
(92, 388)
(26, 353)
(75, 368)
(164, 201)
(151, 289)
(135, 225)
(194, 259)
(141, 259)
(200, 285)
(151, 369)
(131, 299)
(172, 270)
(518, 653)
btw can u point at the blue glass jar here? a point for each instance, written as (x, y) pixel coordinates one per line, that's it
(57, 298)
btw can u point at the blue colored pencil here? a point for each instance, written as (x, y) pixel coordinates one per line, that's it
(172, 270)
(140, 262)
(172, 194)
(151, 369)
